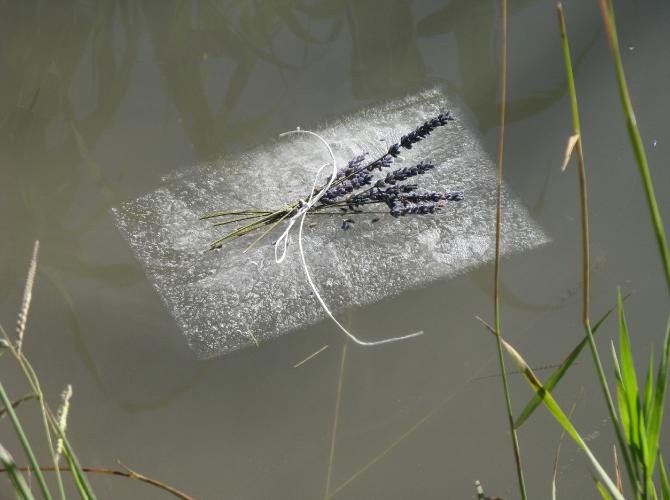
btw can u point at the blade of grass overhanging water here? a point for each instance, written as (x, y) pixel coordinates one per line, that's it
(586, 252)
(624, 407)
(47, 419)
(656, 414)
(607, 11)
(24, 442)
(17, 402)
(20, 486)
(554, 475)
(83, 486)
(498, 234)
(34, 384)
(601, 489)
(562, 419)
(665, 484)
(628, 376)
(649, 385)
(555, 377)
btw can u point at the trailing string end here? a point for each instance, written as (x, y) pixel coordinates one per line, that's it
(301, 213)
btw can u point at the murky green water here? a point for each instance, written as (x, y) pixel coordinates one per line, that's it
(99, 100)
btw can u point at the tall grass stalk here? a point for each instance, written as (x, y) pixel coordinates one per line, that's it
(51, 423)
(607, 11)
(23, 362)
(20, 486)
(585, 249)
(556, 411)
(557, 375)
(18, 354)
(496, 273)
(24, 442)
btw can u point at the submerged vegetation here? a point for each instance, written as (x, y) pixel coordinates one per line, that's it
(635, 406)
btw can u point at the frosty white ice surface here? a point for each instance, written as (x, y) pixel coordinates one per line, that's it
(219, 297)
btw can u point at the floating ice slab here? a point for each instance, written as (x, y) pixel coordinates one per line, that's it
(221, 298)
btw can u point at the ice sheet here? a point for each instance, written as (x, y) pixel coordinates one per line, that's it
(220, 299)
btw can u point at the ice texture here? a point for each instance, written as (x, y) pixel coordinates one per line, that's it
(224, 299)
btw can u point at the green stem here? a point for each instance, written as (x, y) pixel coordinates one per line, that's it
(496, 284)
(24, 442)
(269, 230)
(636, 139)
(585, 252)
(238, 219)
(84, 488)
(21, 489)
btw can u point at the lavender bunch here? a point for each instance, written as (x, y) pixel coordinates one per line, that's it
(401, 199)
(354, 187)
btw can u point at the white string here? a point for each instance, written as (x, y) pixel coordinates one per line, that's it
(301, 213)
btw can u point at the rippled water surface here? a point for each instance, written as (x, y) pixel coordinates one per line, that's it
(101, 100)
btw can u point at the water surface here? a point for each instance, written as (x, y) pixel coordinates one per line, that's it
(100, 100)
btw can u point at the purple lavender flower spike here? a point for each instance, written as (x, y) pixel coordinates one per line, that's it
(404, 173)
(394, 150)
(423, 131)
(399, 210)
(432, 196)
(383, 162)
(352, 165)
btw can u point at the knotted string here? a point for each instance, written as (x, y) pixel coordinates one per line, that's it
(300, 214)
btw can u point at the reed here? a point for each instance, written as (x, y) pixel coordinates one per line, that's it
(637, 424)
(607, 11)
(496, 274)
(53, 425)
(583, 197)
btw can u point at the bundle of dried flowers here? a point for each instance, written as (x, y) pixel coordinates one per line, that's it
(354, 188)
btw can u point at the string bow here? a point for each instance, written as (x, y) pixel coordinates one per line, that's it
(300, 214)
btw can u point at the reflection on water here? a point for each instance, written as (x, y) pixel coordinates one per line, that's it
(100, 99)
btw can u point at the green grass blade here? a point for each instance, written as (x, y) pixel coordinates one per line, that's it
(625, 409)
(628, 377)
(83, 486)
(601, 489)
(17, 402)
(649, 386)
(24, 442)
(636, 139)
(656, 412)
(644, 449)
(557, 375)
(498, 239)
(563, 420)
(665, 484)
(19, 484)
